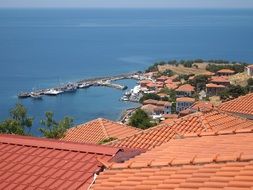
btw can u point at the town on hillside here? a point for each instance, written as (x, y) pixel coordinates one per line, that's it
(169, 90)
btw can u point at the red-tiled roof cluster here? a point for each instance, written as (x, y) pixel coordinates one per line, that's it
(185, 88)
(212, 121)
(97, 130)
(39, 163)
(241, 105)
(207, 162)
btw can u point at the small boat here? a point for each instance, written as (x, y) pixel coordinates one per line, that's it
(24, 95)
(70, 88)
(36, 96)
(84, 85)
(53, 92)
(124, 98)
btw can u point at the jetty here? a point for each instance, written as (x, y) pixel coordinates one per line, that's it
(81, 84)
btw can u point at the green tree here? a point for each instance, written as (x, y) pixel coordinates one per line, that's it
(250, 81)
(18, 123)
(54, 129)
(149, 96)
(140, 119)
(199, 82)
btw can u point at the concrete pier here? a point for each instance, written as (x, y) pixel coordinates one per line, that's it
(85, 83)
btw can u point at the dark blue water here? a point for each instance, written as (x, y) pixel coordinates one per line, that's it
(42, 48)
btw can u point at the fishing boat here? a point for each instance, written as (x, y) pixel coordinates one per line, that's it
(24, 95)
(53, 92)
(36, 96)
(70, 87)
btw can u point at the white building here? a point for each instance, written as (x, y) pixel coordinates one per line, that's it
(249, 70)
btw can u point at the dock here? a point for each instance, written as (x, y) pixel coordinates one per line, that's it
(81, 84)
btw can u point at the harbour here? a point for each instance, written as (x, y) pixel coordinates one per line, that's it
(69, 87)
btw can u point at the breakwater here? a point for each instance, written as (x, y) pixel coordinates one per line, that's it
(106, 81)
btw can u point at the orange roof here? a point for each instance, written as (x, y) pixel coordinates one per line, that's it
(185, 99)
(202, 106)
(212, 85)
(98, 130)
(208, 162)
(185, 88)
(150, 101)
(149, 108)
(242, 105)
(220, 79)
(225, 71)
(171, 85)
(197, 122)
(39, 163)
(250, 66)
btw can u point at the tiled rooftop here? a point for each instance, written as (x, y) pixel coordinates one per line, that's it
(208, 162)
(98, 130)
(185, 99)
(219, 79)
(185, 88)
(39, 163)
(212, 85)
(241, 105)
(225, 71)
(212, 121)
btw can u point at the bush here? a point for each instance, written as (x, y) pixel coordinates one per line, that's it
(140, 119)
(149, 96)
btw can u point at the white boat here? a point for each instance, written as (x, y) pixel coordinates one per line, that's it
(84, 85)
(53, 92)
(35, 95)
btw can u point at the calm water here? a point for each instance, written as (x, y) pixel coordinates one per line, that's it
(42, 48)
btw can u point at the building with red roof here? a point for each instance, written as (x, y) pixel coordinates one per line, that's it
(39, 163)
(214, 89)
(203, 161)
(241, 106)
(184, 103)
(220, 80)
(225, 72)
(185, 90)
(98, 130)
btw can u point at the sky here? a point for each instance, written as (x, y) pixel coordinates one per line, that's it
(126, 3)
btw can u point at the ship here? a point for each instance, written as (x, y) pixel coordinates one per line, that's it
(53, 92)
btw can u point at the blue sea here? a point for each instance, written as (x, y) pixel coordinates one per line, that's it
(42, 48)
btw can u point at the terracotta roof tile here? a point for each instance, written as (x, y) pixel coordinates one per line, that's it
(185, 99)
(185, 88)
(225, 71)
(219, 79)
(212, 85)
(39, 163)
(98, 130)
(209, 162)
(241, 105)
(212, 122)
